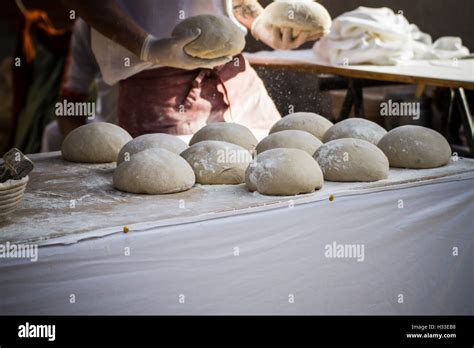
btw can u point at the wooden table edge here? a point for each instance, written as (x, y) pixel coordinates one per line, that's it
(363, 74)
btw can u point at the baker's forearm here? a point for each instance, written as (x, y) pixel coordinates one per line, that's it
(111, 21)
(246, 11)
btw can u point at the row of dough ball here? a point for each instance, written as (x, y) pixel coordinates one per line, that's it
(278, 170)
(219, 154)
(413, 147)
(349, 153)
(162, 163)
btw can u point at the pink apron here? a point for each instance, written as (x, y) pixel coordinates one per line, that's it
(180, 102)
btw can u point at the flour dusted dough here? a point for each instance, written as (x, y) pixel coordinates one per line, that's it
(150, 141)
(357, 128)
(229, 132)
(300, 15)
(293, 139)
(284, 172)
(220, 37)
(415, 147)
(304, 121)
(154, 171)
(96, 142)
(218, 162)
(352, 160)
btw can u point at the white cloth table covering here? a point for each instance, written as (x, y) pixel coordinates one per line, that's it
(408, 252)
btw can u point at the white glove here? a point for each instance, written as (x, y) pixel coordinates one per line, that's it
(170, 52)
(277, 38)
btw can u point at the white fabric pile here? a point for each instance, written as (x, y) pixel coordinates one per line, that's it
(380, 36)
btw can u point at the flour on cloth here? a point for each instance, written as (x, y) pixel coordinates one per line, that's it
(380, 36)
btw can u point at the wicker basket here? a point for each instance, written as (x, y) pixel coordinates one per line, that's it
(11, 195)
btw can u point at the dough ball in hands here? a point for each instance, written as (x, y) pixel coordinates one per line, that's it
(302, 16)
(218, 162)
(304, 121)
(352, 160)
(357, 128)
(97, 142)
(150, 141)
(415, 147)
(229, 132)
(154, 171)
(293, 139)
(220, 37)
(284, 172)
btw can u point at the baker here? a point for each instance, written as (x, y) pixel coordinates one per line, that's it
(161, 88)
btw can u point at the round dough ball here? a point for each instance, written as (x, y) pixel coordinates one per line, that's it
(284, 172)
(220, 37)
(352, 160)
(96, 142)
(301, 16)
(229, 132)
(304, 121)
(357, 128)
(415, 147)
(150, 141)
(218, 162)
(154, 171)
(293, 139)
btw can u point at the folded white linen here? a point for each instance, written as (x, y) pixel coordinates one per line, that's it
(382, 37)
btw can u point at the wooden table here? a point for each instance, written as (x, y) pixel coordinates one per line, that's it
(65, 202)
(457, 75)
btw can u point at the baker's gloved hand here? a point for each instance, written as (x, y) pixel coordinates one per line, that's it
(277, 38)
(170, 52)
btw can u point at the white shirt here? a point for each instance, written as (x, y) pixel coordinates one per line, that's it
(157, 17)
